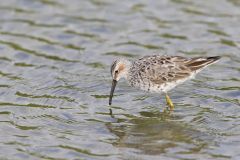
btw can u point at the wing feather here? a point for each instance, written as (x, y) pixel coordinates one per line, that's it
(162, 69)
(169, 69)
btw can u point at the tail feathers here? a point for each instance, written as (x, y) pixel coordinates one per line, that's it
(201, 62)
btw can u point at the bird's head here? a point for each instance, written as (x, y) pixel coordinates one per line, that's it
(119, 69)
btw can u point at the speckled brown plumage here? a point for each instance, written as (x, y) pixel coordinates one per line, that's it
(158, 73)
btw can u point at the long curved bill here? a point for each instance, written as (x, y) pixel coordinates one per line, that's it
(114, 83)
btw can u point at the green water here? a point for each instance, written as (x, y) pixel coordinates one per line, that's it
(54, 80)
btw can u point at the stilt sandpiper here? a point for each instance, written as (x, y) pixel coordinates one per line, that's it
(158, 73)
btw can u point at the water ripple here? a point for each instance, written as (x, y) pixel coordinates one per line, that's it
(35, 53)
(148, 46)
(32, 105)
(69, 46)
(69, 99)
(54, 86)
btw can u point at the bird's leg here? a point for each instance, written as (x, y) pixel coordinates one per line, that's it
(169, 102)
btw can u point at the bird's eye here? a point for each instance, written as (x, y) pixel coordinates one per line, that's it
(116, 72)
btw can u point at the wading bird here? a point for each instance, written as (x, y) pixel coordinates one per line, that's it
(158, 73)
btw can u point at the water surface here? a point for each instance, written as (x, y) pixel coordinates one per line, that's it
(54, 67)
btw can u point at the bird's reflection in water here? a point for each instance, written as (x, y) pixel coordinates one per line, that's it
(157, 133)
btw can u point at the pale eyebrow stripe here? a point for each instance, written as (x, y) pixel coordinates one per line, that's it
(113, 66)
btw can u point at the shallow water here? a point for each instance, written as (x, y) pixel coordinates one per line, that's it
(54, 67)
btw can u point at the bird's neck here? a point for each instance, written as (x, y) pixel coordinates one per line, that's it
(128, 65)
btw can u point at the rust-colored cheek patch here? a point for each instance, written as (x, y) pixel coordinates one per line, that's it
(121, 67)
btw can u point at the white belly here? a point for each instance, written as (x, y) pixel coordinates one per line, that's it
(165, 87)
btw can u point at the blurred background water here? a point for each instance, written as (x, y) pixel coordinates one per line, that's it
(54, 67)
